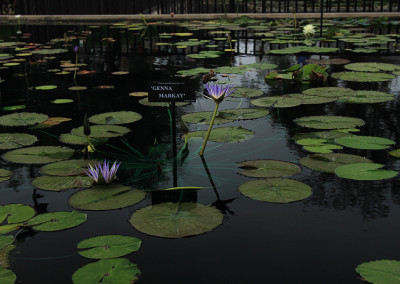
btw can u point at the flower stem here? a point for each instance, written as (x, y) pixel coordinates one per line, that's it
(209, 129)
(76, 67)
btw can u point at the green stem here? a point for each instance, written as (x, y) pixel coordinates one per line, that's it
(76, 67)
(209, 129)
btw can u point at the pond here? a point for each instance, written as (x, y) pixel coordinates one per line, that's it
(298, 182)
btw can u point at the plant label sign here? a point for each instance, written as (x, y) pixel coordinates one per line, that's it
(171, 92)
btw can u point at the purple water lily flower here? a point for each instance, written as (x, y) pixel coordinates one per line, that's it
(101, 173)
(75, 48)
(218, 92)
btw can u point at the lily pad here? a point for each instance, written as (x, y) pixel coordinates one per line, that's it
(38, 155)
(62, 101)
(17, 107)
(5, 175)
(225, 134)
(268, 168)
(56, 183)
(109, 246)
(276, 190)
(46, 87)
(57, 221)
(371, 67)
(362, 97)
(247, 93)
(116, 270)
(322, 149)
(395, 153)
(362, 76)
(145, 102)
(194, 71)
(106, 197)
(329, 162)
(330, 92)
(176, 220)
(67, 168)
(119, 117)
(80, 140)
(22, 119)
(364, 171)
(16, 140)
(6, 240)
(365, 142)
(278, 101)
(224, 116)
(329, 122)
(383, 271)
(15, 213)
(102, 131)
(7, 276)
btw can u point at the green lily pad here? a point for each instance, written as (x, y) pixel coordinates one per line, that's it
(145, 102)
(16, 213)
(276, 190)
(38, 155)
(238, 70)
(5, 175)
(383, 271)
(194, 71)
(67, 168)
(17, 107)
(22, 119)
(119, 117)
(268, 168)
(116, 270)
(371, 67)
(364, 171)
(176, 220)
(329, 122)
(62, 101)
(102, 131)
(323, 148)
(55, 183)
(278, 101)
(246, 93)
(310, 141)
(57, 221)
(363, 97)
(49, 51)
(6, 240)
(395, 153)
(330, 92)
(46, 87)
(7, 276)
(308, 49)
(109, 246)
(224, 134)
(16, 140)
(312, 100)
(106, 197)
(80, 140)
(329, 162)
(262, 66)
(224, 116)
(362, 76)
(365, 142)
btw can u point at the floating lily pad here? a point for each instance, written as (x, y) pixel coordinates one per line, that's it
(67, 168)
(395, 153)
(276, 190)
(224, 134)
(119, 117)
(79, 140)
(109, 246)
(17, 107)
(365, 142)
(38, 155)
(102, 131)
(312, 100)
(224, 116)
(62, 101)
(6, 240)
(330, 92)
(231, 70)
(383, 271)
(16, 140)
(329, 122)
(247, 93)
(106, 197)
(194, 71)
(268, 168)
(371, 67)
(362, 97)
(323, 148)
(50, 51)
(22, 119)
(145, 102)
(278, 101)
(5, 175)
(57, 221)
(299, 49)
(363, 76)
(329, 162)
(364, 171)
(139, 94)
(7, 276)
(176, 220)
(116, 270)
(56, 183)
(46, 87)
(77, 88)
(15, 213)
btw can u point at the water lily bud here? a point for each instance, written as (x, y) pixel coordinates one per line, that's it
(172, 14)
(86, 126)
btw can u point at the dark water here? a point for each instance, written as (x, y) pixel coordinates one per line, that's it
(318, 240)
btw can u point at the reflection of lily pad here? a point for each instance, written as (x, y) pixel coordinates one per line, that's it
(67, 168)
(363, 76)
(5, 175)
(364, 171)
(246, 93)
(38, 155)
(7, 276)
(103, 131)
(276, 190)
(176, 220)
(16, 140)
(329, 122)
(106, 197)
(224, 134)
(57, 221)
(109, 246)
(365, 142)
(80, 140)
(268, 168)
(15, 213)
(55, 183)
(116, 270)
(224, 116)
(119, 117)
(383, 271)
(329, 162)
(371, 97)
(22, 119)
